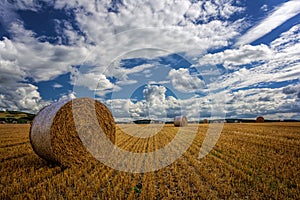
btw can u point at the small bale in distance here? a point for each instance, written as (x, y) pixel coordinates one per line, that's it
(54, 136)
(205, 121)
(180, 121)
(260, 119)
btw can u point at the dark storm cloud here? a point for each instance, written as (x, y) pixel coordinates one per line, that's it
(265, 98)
(289, 90)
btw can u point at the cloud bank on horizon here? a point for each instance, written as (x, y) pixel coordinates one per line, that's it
(153, 59)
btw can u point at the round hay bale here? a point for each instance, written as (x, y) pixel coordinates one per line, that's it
(53, 134)
(180, 121)
(260, 119)
(205, 121)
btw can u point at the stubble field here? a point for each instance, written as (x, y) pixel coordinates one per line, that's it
(249, 161)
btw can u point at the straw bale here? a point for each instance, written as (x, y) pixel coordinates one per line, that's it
(205, 121)
(53, 134)
(180, 121)
(260, 119)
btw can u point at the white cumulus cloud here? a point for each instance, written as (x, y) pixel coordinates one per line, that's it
(183, 81)
(243, 55)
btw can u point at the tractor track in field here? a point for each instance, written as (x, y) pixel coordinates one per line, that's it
(14, 144)
(13, 157)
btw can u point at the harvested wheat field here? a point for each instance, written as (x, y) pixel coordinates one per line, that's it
(249, 161)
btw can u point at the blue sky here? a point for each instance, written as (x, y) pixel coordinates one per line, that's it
(153, 59)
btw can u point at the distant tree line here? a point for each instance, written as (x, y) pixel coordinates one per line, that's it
(15, 117)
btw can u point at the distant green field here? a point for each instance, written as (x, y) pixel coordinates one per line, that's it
(15, 117)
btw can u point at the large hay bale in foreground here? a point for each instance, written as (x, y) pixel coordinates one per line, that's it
(53, 134)
(180, 121)
(260, 119)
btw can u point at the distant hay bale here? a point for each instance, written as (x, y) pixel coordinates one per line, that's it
(205, 121)
(180, 121)
(53, 134)
(260, 119)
